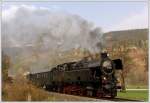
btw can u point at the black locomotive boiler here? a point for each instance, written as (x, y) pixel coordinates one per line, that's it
(86, 78)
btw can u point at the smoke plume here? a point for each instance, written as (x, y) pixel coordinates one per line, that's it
(47, 29)
(36, 37)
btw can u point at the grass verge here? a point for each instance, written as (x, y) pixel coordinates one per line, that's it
(135, 95)
(22, 90)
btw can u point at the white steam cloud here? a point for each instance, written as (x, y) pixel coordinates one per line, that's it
(28, 25)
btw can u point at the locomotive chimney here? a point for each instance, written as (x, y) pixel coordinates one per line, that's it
(104, 55)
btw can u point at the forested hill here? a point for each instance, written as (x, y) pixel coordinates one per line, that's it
(135, 34)
(132, 47)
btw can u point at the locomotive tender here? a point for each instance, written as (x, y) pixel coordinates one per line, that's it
(86, 78)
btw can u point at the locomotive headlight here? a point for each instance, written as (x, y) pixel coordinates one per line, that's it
(104, 78)
(107, 64)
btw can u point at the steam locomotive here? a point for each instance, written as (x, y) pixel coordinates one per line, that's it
(85, 78)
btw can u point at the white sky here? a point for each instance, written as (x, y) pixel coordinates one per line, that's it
(110, 16)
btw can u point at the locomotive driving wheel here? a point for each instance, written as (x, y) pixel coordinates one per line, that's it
(89, 91)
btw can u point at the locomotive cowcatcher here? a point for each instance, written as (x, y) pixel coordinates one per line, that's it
(85, 78)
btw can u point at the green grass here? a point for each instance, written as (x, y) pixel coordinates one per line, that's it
(135, 95)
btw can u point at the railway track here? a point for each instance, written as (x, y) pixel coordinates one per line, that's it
(68, 97)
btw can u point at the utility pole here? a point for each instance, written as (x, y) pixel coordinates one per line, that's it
(29, 98)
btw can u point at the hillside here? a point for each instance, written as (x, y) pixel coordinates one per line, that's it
(136, 34)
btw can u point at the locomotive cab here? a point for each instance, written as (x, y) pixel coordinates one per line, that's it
(119, 73)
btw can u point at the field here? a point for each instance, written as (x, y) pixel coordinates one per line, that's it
(134, 95)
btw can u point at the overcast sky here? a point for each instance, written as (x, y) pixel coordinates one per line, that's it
(109, 16)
